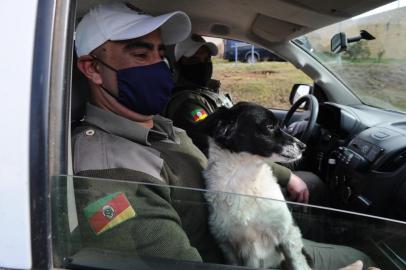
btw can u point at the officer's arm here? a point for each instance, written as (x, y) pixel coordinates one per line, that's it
(281, 173)
(189, 115)
(152, 229)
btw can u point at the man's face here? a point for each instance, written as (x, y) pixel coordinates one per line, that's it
(142, 51)
(202, 55)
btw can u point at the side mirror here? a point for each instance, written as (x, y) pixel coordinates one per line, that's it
(298, 91)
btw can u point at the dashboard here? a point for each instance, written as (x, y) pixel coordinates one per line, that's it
(360, 152)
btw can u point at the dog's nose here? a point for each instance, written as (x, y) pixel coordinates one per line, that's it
(301, 145)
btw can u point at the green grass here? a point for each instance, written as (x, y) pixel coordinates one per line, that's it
(270, 83)
(266, 83)
(379, 84)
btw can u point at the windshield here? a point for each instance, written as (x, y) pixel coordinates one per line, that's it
(375, 70)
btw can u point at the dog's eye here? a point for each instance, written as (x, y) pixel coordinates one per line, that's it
(270, 127)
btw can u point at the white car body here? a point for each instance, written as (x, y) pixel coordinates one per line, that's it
(17, 53)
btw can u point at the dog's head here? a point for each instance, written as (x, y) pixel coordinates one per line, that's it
(248, 127)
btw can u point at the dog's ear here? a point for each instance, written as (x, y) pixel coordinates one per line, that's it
(224, 130)
(208, 125)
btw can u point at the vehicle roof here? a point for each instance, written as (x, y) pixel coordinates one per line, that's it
(253, 20)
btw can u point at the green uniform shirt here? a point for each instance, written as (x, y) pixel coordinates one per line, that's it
(168, 222)
(190, 103)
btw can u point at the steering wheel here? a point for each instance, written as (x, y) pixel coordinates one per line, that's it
(313, 106)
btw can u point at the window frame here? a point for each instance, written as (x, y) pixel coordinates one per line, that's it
(49, 117)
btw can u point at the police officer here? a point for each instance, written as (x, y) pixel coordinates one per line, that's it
(130, 155)
(195, 94)
(120, 51)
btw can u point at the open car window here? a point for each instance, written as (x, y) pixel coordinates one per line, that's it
(114, 224)
(265, 79)
(372, 69)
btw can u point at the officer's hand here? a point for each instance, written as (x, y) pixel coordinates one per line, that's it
(297, 128)
(357, 266)
(297, 189)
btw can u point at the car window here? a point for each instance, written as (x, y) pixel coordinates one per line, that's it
(267, 80)
(112, 224)
(373, 69)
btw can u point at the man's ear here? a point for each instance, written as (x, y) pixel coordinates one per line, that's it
(90, 69)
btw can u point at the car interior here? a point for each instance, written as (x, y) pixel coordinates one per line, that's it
(358, 150)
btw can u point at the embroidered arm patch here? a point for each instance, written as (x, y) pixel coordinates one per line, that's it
(198, 114)
(108, 212)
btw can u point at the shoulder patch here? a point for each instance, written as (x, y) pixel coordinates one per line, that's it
(108, 212)
(198, 114)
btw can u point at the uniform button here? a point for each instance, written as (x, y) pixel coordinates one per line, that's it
(89, 132)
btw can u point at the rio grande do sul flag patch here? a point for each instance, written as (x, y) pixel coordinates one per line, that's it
(108, 212)
(198, 115)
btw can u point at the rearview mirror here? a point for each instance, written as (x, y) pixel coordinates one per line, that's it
(339, 43)
(298, 91)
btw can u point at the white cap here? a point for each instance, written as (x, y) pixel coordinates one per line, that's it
(121, 21)
(189, 47)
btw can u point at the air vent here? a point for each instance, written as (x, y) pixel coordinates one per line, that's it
(394, 163)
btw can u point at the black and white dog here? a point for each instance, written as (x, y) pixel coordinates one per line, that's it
(251, 230)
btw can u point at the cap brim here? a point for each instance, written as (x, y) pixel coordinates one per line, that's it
(175, 27)
(196, 45)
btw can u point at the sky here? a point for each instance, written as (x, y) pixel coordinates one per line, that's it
(393, 5)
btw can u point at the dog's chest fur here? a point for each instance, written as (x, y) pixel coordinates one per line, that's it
(241, 173)
(244, 220)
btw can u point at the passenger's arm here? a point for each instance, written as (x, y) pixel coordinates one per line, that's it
(189, 114)
(154, 230)
(296, 187)
(281, 173)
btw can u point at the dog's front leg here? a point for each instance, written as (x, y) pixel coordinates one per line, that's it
(292, 249)
(230, 254)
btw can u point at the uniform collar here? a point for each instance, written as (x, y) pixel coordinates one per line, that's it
(162, 130)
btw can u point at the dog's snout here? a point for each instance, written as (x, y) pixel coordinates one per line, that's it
(301, 145)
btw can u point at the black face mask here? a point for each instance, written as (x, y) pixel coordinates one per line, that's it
(198, 73)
